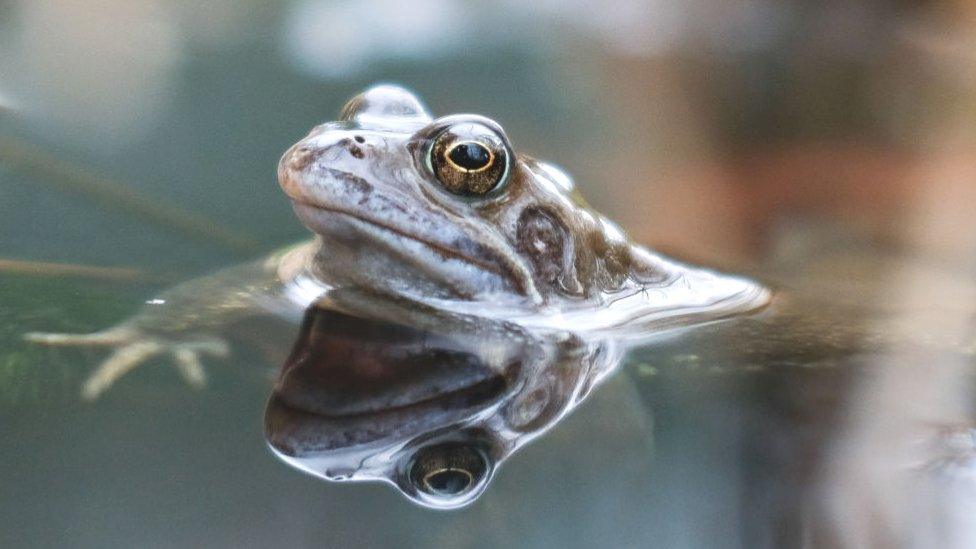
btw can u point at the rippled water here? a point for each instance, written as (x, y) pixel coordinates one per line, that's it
(725, 430)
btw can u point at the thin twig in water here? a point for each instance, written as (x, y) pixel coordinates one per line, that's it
(40, 268)
(34, 161)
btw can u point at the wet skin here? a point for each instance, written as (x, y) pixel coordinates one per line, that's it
(394, 211)
(439, 212)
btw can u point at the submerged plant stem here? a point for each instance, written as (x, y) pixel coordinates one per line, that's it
(40, 268)
(33, 161)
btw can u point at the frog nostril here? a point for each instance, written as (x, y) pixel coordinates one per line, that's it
(352, 147)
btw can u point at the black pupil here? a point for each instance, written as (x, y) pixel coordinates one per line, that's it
(448, 481)
(470, 156)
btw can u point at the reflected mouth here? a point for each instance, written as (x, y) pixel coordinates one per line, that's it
(298, 432)
(351, 380)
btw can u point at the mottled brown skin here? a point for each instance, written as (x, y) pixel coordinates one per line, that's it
(376, 181)
(397, 214)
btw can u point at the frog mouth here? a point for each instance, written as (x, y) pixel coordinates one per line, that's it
(439, 248)
(489, 262)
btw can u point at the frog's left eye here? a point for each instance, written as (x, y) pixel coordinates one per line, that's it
(469, 159)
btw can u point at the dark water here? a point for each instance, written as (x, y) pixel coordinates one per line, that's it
(138, 142)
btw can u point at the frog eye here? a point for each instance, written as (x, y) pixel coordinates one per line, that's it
(469, 159)
(449, 473)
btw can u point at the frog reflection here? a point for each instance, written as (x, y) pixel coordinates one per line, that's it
(431, 403)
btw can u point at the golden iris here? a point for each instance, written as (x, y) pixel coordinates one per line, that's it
(469, 160)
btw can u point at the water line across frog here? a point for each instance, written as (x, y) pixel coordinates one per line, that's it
(441, 212)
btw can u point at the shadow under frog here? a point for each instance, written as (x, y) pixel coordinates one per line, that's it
(430, 402)
(490, 254)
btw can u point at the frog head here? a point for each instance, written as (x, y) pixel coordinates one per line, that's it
(446, 208)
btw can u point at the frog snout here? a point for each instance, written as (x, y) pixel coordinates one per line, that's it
(314, 161)
(298, 158)
(337, 150)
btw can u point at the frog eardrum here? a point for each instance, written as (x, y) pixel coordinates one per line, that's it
(469, 159)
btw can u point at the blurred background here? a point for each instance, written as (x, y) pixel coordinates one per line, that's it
(713, 128)
(828, 148)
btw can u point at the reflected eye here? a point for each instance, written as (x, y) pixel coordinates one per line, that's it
(447, 482)
(469, 159)
(448, 470)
